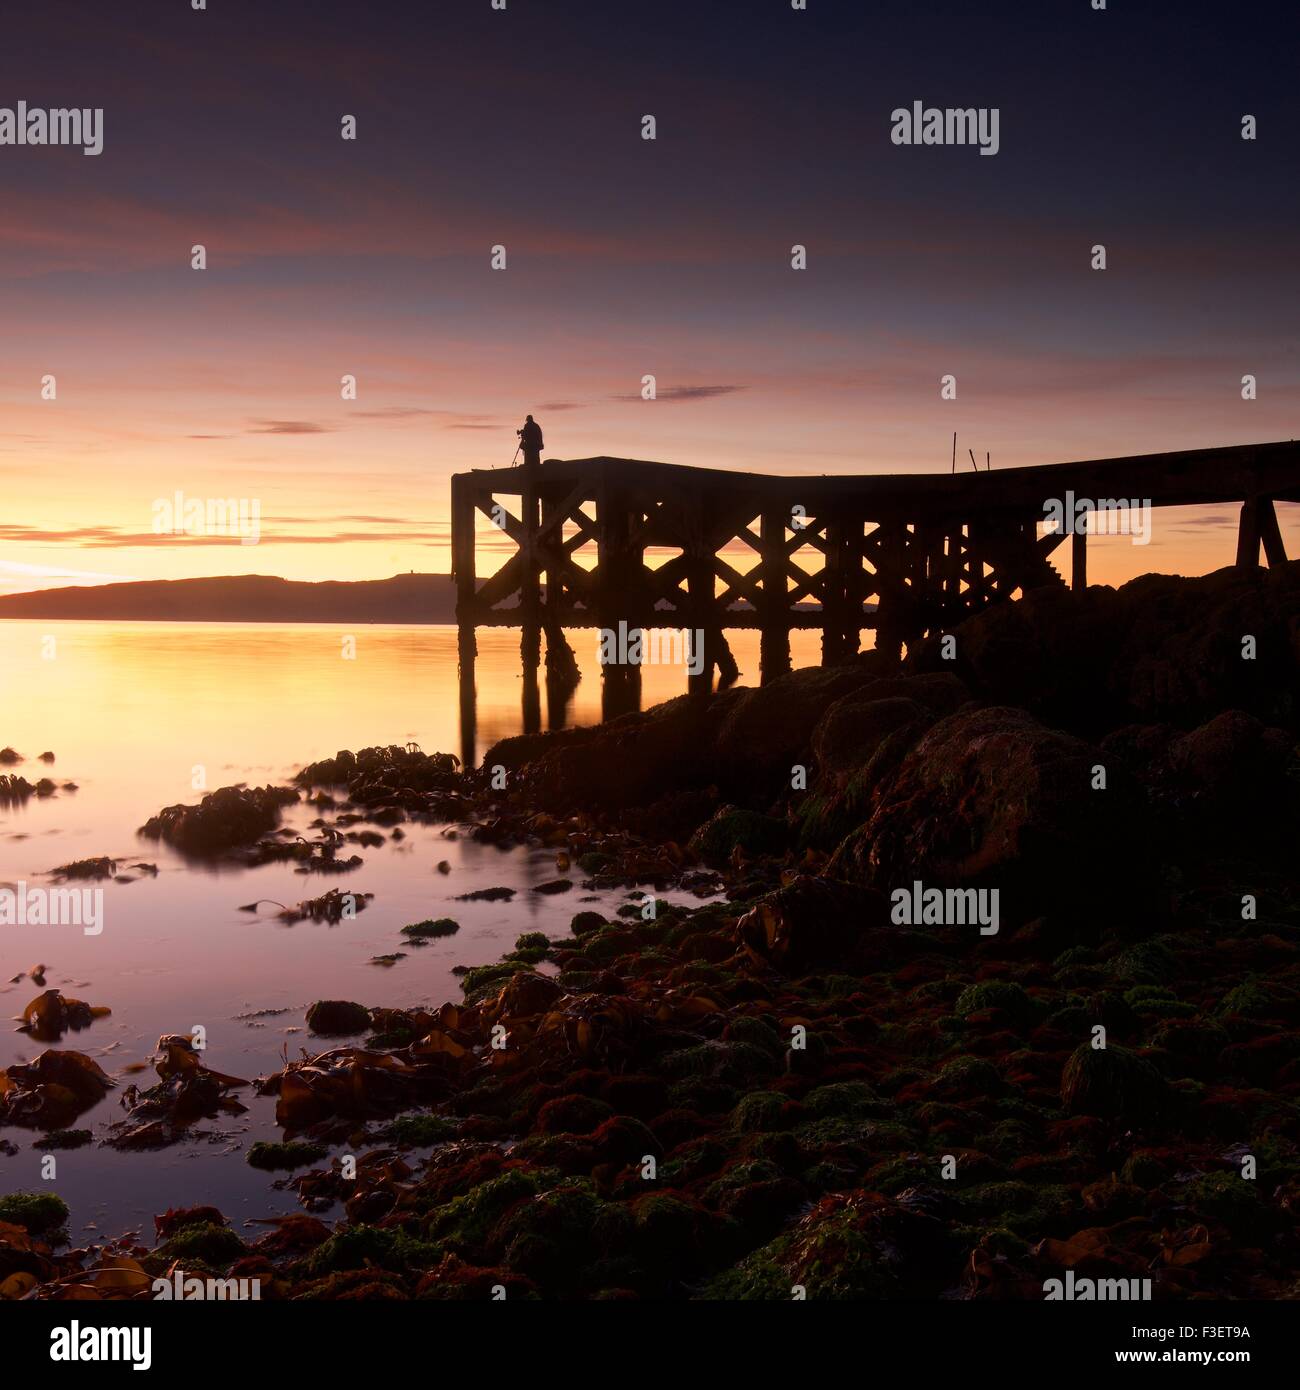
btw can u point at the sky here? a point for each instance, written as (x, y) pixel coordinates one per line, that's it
(479, 127)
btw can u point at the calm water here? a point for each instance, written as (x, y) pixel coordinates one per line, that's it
(130, 710)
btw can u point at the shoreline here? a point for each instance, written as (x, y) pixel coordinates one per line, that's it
(786, 1087)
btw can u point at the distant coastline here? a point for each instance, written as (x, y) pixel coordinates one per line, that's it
(259, 598)
(249, 598)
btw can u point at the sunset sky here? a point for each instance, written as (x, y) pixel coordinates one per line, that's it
(625, 257)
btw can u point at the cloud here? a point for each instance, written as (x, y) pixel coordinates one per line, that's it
(562, 405)
(396, 412)
(17, 567)
(448, 419)
(684, 393)
(285, 520)
(114, 538)
(290, 427)
(78, 535)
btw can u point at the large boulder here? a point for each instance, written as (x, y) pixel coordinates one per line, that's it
(629, 762)
(991, 798)
(745, 741)
(854, 728)
(860, 741)
(1234, 761)
(769, 730)
(1231, 777)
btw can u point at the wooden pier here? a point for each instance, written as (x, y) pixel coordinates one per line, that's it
(907, 555)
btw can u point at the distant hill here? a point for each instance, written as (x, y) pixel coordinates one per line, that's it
(247, 598)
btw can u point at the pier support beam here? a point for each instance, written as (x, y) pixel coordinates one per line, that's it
(462, 569)
(462, 544)
(1248, 535)
(1271, 533)
(530, 594)
(774, 637)
(836, 644)
(562, 673)
(467, 651)
(1079, 561)
(618, 598)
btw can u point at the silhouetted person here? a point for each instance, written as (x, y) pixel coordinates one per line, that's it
(530, 440)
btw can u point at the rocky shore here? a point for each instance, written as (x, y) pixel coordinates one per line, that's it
(982, 969)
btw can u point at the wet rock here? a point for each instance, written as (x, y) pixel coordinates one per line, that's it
(553, 886)
(14, 789)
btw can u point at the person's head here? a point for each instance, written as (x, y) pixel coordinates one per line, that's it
(530, 419)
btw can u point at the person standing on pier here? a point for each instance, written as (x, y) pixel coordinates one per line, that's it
(530, 441)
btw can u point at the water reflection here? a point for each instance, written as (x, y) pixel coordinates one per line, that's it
(487, 659)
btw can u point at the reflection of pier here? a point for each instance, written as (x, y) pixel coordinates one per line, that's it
(906, 555)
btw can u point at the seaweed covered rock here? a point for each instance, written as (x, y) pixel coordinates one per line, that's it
(337, 1017)
(768, 729)
(858, 745)
(36, 1212)
(855, 1245)
(632, 761)
(225, 818)
(731, 829)
(382, 773)
(1235, 763)
(1116, 1083)
(853, 730)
